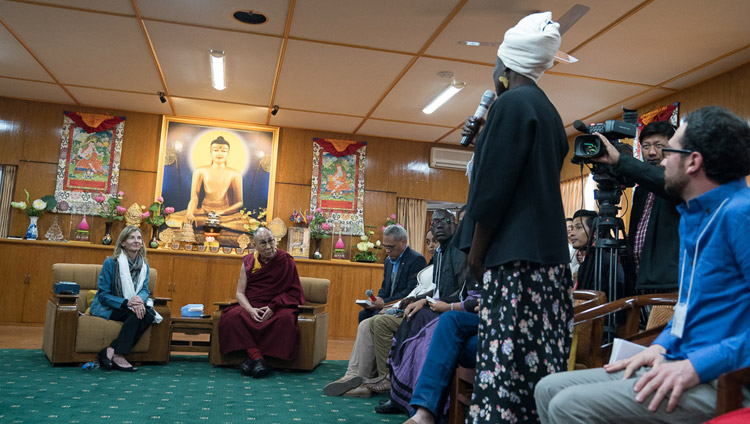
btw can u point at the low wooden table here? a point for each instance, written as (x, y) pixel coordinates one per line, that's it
(191, 326)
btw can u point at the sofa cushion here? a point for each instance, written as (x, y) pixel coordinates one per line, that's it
(94, 334)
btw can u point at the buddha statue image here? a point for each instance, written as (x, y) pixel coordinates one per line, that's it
(215, 188)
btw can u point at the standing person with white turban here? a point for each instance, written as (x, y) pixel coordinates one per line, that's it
(514, 231)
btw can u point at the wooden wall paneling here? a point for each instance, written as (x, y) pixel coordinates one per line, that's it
(294, 164)
(223, 283)
(140, 146)
(13, 282)
(344, 313)
(190, 280)
(11, 136)
(163, 263)
(139, 187)
(289, 197)
(39, 179)
(42, 129)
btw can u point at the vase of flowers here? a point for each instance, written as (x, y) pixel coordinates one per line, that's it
(34, 210)
(254, 220)
(111, 211)
(155, 216)
(365, 246)
(391, 220)
(318, 230)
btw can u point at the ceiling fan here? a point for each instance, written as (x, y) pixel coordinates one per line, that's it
(566, 21)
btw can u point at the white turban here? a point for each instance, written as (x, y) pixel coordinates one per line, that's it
(529, 47)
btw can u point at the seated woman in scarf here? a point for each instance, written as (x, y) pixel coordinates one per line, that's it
(123, 295)
(265, 320)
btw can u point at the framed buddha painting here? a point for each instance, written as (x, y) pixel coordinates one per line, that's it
(225, 168)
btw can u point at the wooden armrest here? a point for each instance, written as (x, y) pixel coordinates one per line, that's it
(313, 307)
(226, 303)
(729, 394)
(64, 299)
(606, 309)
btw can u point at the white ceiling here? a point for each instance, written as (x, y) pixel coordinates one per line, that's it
(358, 66)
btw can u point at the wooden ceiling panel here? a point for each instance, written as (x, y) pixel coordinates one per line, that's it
(218, 13)
(326, 78)
(219, 110)
(315, 121)
(31, 90)
(83, 48)
(389, 129)
(136, 102)
(573, 97)
(663, 39)
(109, 6)
(15, 60)
(709, 71)
(183, 53)
(421, 84)
(387, 24)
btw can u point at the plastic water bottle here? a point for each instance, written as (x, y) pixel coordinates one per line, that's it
(90, 365)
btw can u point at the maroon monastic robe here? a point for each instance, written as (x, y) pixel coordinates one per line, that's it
(276, 285)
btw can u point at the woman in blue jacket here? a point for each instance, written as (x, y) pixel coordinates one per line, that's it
(123, 296)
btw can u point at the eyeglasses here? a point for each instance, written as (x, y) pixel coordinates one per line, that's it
(446, 221)
(668, 150)
(389, 246)
(266, 243)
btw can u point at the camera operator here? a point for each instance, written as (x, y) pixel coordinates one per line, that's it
(653, 242)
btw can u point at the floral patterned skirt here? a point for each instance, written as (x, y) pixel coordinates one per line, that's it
(525, 328)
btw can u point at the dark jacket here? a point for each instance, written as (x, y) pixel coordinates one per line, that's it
(406, 279)
(515, 181)
(455, 277)
(660, 254)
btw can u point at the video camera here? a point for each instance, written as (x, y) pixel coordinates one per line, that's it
(589, 146)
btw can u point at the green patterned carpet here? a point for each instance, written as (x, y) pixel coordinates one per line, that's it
(188, 390)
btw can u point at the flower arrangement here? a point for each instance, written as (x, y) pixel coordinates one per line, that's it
(156, 214)
(298, 217)
(37, 207)
(111, 209)
(365, 253)
(254, 220)
(318, 225)
(391, 220)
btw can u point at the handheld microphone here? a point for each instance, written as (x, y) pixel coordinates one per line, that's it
(370, 296)
(487, 98)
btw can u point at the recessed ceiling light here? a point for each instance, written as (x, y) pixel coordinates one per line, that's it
(250, 17)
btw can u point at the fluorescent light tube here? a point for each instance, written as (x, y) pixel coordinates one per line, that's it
(444, 96)
(218, 70)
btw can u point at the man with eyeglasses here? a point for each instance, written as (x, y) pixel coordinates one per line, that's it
(264, 322)
(652, 234)
(675, 379)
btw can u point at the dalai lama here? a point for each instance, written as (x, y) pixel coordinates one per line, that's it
(265, 320)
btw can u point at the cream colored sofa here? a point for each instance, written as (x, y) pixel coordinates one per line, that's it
(313, 328)
(70, 336)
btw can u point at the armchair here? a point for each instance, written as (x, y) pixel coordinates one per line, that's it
(313, 329)
(70, 336)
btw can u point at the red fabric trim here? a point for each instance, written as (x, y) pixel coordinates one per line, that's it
(328, 147)
(104, 126)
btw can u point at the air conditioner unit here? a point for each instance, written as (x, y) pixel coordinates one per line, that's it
(449, 158)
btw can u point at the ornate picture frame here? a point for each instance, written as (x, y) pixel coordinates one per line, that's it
(193, 167)
(298, 242)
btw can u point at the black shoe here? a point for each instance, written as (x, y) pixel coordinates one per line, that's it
(104, 361)
(260, 369)
(388, 407)
(247, 367)
(121, 368)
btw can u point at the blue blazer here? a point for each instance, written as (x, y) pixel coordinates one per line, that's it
(406, 278)
(105, 300)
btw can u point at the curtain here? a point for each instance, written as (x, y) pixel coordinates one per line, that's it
(572, 192)
(7, 186)
(412, 214)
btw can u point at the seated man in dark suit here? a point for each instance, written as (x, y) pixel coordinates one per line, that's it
(399, 273)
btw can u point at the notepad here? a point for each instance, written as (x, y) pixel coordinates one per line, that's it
(623, 349)
(363, 302)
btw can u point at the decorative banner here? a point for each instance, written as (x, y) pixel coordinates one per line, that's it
(338, 183)
(89, 162)
(664, 113)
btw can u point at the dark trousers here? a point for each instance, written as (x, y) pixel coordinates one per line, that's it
(132, 329)
(453, 343)
(367, 313)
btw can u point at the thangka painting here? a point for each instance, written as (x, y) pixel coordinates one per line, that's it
(664, 113)
(338, 183)
(89, 162)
